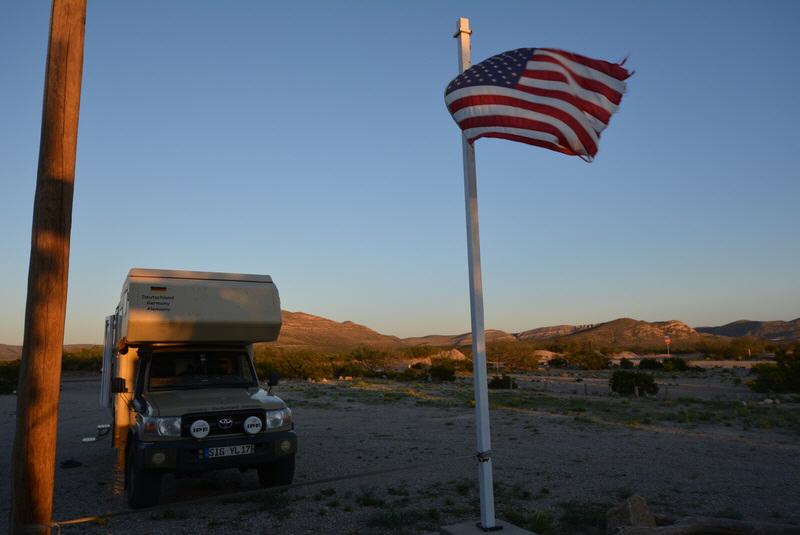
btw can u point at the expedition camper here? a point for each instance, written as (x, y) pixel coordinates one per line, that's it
(179, 380)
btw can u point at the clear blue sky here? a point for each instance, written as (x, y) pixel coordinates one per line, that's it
(310, 141)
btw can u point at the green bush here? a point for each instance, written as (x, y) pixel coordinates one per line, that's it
(442, 370)
(421, 351)
(675, 364)
(650, 364)
(783, 376)
(297, 363)
(625, 383)
(88, 359)
(9, 372)
(514, 355)
(589, 361)
(503, 382)
(414, 373)
(625, 364)
(558, 362)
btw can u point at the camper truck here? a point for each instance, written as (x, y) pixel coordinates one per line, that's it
(179, 381)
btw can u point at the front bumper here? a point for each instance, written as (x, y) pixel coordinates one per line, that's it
(186, 455)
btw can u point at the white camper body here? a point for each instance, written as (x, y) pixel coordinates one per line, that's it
(159, 306)
(162, 306)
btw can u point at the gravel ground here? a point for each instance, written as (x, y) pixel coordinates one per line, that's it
(561, 458)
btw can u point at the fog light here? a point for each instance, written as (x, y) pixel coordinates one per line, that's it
(252, 425)
(286, 446)
(158, 458)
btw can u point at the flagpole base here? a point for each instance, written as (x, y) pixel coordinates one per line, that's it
(474, 528)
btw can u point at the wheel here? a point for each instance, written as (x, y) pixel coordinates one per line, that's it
(277, 473)
(143, 488)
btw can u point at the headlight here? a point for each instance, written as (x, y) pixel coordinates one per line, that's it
(163, 427)
(279, 418)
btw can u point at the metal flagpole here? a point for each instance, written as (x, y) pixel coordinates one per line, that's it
(476, 307)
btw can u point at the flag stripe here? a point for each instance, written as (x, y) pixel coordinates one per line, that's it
(597, 102)
(612, 69)
(589, 121)
(590, 108)
(501, 105)
(530, 137)
(522, 124)
(547, 63)
(580, 69)
(555, 73)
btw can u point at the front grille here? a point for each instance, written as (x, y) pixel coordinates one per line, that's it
(217, 421)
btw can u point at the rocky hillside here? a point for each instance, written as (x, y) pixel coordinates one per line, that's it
(630, 333)
(442, 340)
(306, 330)
(546, 333)
(8, 352)
(623, 332)
(768, 330)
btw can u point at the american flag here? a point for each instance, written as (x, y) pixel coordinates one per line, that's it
(541, 96)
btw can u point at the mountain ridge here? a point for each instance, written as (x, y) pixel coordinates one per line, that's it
(775, 330)
(302, 330)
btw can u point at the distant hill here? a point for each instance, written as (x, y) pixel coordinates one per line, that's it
(622, 332)
(443, 340)
(546, 333)
(8, 352)
(301, 330)
(306, 330)
(768, 330)
(629, 333)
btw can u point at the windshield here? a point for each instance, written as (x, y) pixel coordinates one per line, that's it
(198, 369)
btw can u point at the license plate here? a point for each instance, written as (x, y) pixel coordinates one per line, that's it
(228, 451)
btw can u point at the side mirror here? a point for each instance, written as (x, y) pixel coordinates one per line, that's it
(138, 405)
(118, 385)
(273, 379)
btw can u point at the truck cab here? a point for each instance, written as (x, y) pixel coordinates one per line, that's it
(179, 380)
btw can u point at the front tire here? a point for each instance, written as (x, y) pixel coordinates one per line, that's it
(277, 473)
(143, 488)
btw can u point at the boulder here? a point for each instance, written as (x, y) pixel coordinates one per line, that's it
(633, 512)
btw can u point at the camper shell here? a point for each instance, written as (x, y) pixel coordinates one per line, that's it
(180, 382)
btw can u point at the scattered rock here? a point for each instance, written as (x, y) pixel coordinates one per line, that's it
(631, 512)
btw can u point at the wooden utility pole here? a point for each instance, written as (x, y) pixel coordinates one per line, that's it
(34, 453)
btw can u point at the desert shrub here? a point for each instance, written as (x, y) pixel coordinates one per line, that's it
(541, 522)
(516, 355)
(783, 376)
(422, 351)
(675, 364)
(589, 361)
(298, 363)
(558, 362)
(577, 516)
(88, 359)
(625, 364)
(502, 382)
(9, 372)
(650, 364)
(442, 370)
(414, 373)
(625, 383)
(373, 360)
(463, 365)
